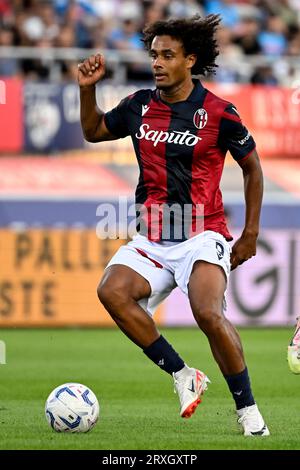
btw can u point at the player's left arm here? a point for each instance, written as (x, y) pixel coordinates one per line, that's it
(236, 138)
(245, 247)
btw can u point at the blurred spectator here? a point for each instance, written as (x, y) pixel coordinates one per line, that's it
(273, 40)
(33, 29)
(48, 16)
(126, 36)
(66, 37)
(6, 11)
(283, 9)
(268, 28)
(294, 45)
(229, 52)
(264, 76)
(61, 6)
(81, 24)
(295, 5)
(247, 37)
(98, 35)
(130, 9)
(153, 11)
(8, 66)
(226, 8)
(185, 8)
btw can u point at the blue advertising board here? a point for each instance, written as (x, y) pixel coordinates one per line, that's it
(52, 117)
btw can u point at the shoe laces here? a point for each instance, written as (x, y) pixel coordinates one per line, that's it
(250, 415)
(177, 382)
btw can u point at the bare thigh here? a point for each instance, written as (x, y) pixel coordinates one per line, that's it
(207, 286)
(121, 280)
(119, 291)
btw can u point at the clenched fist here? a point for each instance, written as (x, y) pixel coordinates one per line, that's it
(91, 70)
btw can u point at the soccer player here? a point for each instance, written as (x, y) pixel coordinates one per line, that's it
(294, 350)
(181, 133)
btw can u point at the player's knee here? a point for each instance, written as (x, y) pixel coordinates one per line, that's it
(208, 319)
(111, 295)
(103, 293)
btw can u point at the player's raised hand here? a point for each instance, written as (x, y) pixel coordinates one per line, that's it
(91, 70)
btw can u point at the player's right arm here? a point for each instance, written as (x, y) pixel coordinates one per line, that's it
(93, 124)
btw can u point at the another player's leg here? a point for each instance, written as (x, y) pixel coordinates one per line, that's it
(207, 285)
(294, 350)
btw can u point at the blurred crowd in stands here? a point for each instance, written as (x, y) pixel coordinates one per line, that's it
(264, 28)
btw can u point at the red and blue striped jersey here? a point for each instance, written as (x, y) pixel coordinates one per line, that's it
(180, 149)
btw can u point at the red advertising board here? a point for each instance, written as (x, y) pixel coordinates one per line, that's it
(272, 114)
(11, 115)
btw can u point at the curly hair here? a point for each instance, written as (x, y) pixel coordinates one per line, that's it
(196, 35)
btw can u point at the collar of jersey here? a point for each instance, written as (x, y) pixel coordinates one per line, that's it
(195, 95)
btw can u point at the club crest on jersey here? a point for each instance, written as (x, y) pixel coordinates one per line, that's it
(200, 118)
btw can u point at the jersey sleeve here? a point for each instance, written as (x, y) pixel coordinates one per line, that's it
(234, 136)
(116, 120)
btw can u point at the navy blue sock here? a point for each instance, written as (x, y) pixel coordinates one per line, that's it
(239, 385)
(163, 355)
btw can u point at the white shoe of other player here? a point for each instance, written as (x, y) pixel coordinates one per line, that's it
(189, 384)
(252, 421)
(294, 350)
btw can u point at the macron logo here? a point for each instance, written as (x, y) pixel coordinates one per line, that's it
(145, 108)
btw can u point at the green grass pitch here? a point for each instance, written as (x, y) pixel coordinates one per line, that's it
(138, 409)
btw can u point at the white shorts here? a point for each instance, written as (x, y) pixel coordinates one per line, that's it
(167, 265)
